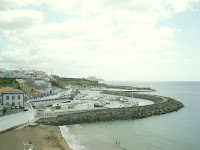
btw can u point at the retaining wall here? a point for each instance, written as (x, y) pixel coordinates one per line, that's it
(13, 120)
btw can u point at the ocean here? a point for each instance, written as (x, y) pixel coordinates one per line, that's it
(174, 131)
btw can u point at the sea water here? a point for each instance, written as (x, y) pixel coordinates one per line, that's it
(174, 131)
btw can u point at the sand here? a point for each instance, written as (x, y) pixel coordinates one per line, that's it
(44, 138)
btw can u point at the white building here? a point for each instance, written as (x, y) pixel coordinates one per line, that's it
(48, 112)
(56, 90)
(12, 97)
(41, 82)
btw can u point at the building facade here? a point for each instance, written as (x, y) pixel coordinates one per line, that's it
(12, 97)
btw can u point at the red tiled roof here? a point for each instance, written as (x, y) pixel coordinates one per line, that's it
(8, 89)
(20, 80)
(17, 71)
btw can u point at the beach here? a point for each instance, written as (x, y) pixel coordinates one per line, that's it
(44, 138)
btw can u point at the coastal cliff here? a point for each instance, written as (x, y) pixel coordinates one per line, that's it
(162, 105)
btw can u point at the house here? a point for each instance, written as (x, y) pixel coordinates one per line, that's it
(26, 85)
(43, 90)
(47, 79)
(48, 112)
(9, 74)
(41, 82)
(2, 69)
(20, 80)
(12, 97)
(41, 74)
(56, 90)
(33, 74)
(1, 74)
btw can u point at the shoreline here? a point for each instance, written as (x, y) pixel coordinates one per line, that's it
(44, 137)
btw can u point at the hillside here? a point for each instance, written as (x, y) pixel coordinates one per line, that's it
(79, 81)
(8, 82)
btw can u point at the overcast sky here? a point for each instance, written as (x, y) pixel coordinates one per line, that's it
(111, 39)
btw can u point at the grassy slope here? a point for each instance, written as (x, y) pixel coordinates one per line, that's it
(7, 82)
(77, 82)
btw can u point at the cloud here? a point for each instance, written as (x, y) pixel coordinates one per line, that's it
(169, 53)
(164, 7)
(17, 4)
(188, 60)
(97, 37)
(19, 19)
(181, 5)
(168, 61)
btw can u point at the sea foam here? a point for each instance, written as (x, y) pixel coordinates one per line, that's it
(72, 140)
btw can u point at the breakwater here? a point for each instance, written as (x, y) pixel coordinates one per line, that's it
(162, 105)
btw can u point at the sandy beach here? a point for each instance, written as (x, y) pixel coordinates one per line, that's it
(44, 138)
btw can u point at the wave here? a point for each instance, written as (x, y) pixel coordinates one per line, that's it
(72, 140)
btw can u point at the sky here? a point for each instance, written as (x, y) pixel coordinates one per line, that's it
(131, 40)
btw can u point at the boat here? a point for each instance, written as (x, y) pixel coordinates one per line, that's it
(98, 104)
(107, 102)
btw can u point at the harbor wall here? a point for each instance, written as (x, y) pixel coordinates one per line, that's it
(162, 105)
(13, 120)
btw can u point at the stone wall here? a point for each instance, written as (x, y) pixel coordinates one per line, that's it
(162, 105)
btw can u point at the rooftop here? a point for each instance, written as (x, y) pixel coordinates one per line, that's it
(8, 89)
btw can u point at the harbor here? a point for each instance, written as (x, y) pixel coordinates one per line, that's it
(85, 100)
(161, 105)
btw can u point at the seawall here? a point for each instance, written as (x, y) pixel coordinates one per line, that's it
(162, 105)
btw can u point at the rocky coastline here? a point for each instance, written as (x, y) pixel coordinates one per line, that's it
(162, 105)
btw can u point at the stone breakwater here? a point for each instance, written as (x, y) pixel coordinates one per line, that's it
(162, 105)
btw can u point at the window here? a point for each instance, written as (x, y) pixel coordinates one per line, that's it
(18, 103)
(13, 97)
(7, 103)
(13, 104)
(18, 96)
(7, 97)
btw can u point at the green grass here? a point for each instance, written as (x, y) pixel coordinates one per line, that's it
(55, 76)
(7, 82)
(77, 82)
